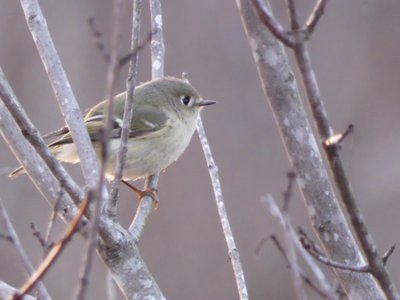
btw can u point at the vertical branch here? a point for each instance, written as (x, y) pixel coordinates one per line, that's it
(157, 42)
(6, 222)
(128, 109)
(101, 195)
(281, 90)
(157, 71)
(62, 88)
(226, 227)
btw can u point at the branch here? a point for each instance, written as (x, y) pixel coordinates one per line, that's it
(157, 61)
(6, 223)
(226, 227)
(128, 109)
(282, 93)
(274, 210)
(102, 197)
(62, 89)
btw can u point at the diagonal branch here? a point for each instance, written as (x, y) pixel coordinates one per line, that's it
(62, 89)
(226, 227)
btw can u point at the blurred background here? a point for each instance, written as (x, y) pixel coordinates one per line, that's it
(355, 52)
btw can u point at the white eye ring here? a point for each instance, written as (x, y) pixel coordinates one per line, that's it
(186, 100)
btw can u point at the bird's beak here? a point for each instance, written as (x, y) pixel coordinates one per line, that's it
(203, 102)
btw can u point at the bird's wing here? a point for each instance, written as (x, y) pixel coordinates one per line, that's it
(145, 120)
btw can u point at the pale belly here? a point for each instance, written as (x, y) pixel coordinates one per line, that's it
(146, 155)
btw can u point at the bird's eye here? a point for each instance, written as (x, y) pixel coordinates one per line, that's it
(186, 100)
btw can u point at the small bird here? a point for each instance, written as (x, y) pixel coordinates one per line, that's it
(164, 118)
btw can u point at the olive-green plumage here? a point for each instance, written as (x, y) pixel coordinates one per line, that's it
(164, 119)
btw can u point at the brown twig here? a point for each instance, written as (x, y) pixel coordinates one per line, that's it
(55, 251)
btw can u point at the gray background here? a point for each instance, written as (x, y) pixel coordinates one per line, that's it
(355, 52)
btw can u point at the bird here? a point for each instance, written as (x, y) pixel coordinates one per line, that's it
(165, 114)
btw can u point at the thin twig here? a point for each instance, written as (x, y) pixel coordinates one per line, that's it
(42, 241)
(314, 252)
(307, 280)
(13, 237)
(55, 252)
(157, 62)
(53, 217)
(283, 218)
(62, 89)
(128, 109)
(388, 253)
(99, 43)
(101, 196)
(287, 195)
(229, 238)
(315, 16)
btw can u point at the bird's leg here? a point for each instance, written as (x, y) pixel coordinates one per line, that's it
(142, 193)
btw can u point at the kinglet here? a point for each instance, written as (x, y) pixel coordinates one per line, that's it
(164, 118)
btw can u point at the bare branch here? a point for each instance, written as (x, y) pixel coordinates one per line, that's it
(7, 225)
(59, 81)
(128, 109)
(303, 275)
(157, 61)
(273, 208)
(226, 227)
(102, 197)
